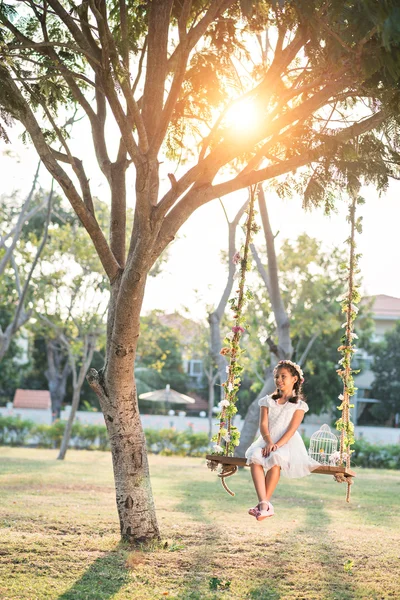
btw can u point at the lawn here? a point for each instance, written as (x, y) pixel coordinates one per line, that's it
(59, 534)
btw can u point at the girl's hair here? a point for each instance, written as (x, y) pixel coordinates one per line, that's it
(297, 388)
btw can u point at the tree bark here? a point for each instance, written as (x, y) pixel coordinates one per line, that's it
(116, 388)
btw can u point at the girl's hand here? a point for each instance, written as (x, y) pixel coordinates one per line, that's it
(268, 449)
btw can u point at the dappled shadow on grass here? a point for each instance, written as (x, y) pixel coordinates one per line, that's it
(308, 547)
(104, 578)
(192, 492)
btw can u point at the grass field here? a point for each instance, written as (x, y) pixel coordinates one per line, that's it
(59, 534)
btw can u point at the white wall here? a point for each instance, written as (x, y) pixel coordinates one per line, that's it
(377, 435)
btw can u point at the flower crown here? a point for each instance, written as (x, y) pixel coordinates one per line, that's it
(281, 363)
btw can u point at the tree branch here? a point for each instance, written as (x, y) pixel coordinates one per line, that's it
(14, 102)
(21, 220)
(21, 302)
(308, 348)
(157, 44)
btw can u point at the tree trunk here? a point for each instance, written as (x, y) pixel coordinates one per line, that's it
(78, 380)
(68, 428)
(214, 320)
(116, 388)
(215, 317)
(211, 398)
(56, 374)
(282, 350)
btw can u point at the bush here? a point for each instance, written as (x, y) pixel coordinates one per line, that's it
(375, 457)
(169, 442)
(103, 441)
(84, 436)
(14, 431)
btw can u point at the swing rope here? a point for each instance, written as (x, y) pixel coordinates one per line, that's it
(227, 431)
(347, 349)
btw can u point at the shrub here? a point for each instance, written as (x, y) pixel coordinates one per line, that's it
(103, 441)
(84, 436)
(168, 442)
(14, 431)
(375, 457)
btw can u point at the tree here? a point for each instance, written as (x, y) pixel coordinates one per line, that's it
(85, 353)
(296, 306)
(310, 281)
(11, 270)
(386, 385)
(159, 356)
(167, 71)
(72, 297)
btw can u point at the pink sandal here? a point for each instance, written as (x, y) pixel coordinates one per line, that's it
(264, 514)
(254, 512)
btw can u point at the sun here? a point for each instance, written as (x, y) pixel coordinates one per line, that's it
(243, 116)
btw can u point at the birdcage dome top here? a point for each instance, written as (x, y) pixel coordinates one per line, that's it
(324, 432)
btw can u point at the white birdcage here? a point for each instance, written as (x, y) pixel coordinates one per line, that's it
(323, 445)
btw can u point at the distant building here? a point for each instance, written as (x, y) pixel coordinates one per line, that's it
(385, 313)
(32, 399)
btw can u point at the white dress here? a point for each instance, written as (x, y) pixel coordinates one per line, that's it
(292, 457)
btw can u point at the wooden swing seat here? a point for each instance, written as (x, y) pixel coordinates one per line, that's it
(230, 465)
(238, 461)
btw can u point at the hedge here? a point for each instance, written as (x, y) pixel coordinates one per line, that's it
(15, 431)
(18, 432)
(168, 442)
(374, 456)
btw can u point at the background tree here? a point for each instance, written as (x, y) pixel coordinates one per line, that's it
(72, 298)
(296, 306)
(386, 385)
(167, 72)
(16, 273)
(310, 281)
(217, 363)
(159, 359)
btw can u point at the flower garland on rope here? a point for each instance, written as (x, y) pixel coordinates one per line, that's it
(347, 349)
(228, 434)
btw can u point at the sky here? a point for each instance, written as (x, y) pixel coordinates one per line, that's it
(194, 276)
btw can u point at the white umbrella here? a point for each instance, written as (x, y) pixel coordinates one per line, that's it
(167, 395)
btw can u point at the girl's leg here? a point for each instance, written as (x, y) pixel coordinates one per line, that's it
(259, 480)
(271, 481)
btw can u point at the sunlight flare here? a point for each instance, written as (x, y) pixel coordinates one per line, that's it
(243, 117)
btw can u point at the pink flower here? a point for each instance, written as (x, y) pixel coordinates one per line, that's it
(237, 329)
(236, 258)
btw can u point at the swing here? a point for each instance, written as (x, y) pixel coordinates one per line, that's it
(223, 460)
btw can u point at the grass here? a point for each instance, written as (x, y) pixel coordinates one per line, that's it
(59, 534)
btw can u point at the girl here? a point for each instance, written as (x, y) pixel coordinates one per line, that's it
(279, 446)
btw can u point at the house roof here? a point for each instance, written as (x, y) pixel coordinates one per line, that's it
(386, 306)
(32, 399)
(188, 329)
